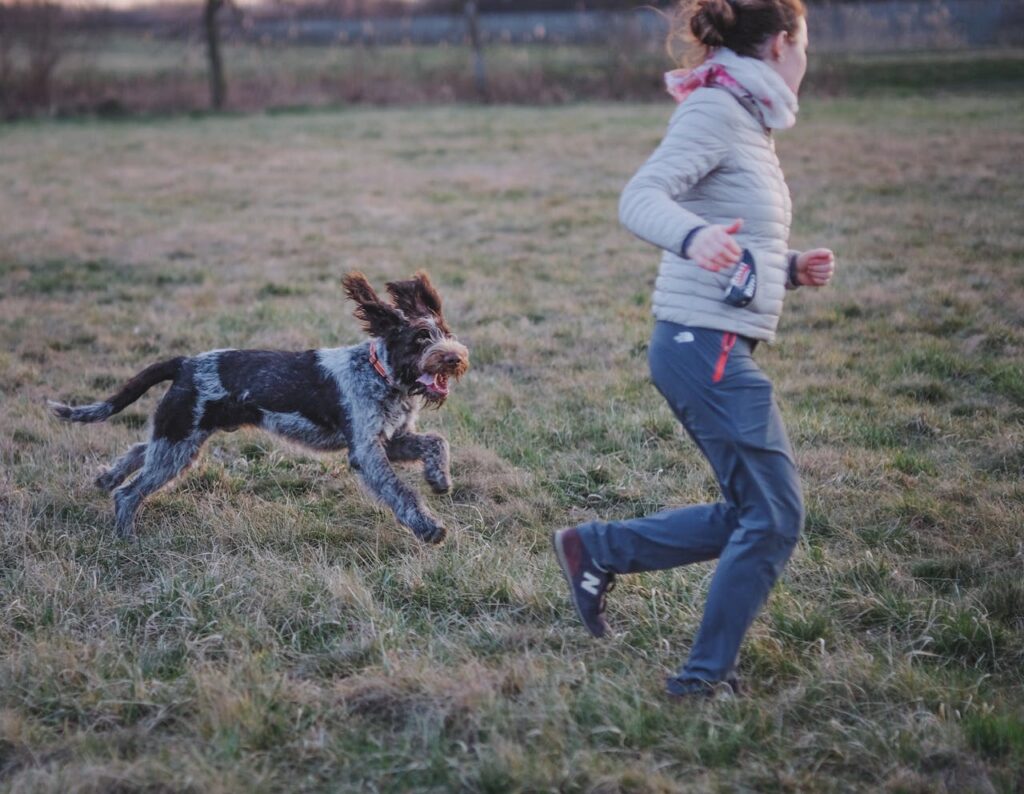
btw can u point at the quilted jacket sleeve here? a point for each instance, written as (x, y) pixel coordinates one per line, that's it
(695, 143)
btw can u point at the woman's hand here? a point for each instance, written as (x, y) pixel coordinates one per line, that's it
(814, 268)
(713, 247)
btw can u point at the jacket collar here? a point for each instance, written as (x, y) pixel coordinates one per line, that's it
(757, 86)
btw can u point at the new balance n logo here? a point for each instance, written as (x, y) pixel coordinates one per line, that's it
(590, 583)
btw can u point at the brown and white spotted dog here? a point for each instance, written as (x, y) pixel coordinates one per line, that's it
(365, 398)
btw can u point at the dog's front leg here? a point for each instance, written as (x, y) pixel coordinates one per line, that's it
(432, 449)
(375, 470)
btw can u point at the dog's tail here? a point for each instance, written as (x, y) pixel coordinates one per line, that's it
(129, 393)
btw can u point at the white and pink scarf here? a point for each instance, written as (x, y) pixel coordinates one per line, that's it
(750, 79)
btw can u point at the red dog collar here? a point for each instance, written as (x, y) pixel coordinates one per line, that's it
(375, 362)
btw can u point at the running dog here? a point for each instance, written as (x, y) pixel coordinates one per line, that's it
(364, 398)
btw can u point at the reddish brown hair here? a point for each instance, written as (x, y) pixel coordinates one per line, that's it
(741, 25)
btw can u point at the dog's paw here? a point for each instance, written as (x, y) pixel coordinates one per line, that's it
(105, 481)
(126, 534)
(438, 478)
(433, 535)
(440, 486)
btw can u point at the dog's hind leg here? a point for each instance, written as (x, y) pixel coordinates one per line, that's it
(375, 470)
(430, 448)
(164, 461)
(129, 463)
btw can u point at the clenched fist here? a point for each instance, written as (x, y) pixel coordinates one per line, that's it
(815, 268)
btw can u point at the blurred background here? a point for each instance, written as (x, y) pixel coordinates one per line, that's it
(129, 57)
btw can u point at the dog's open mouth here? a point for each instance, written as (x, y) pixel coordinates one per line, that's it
(435, 385)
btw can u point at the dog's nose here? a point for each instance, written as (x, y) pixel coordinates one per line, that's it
(452, 358)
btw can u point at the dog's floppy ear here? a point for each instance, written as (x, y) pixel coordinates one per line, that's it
(377, 317)
(417, 296)
(426, 292)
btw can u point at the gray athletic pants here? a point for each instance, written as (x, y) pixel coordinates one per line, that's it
(725, 402)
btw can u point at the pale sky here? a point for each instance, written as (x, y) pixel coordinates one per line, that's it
(137, 3)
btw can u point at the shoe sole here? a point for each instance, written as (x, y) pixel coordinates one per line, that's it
(719, 690)
(556, 542)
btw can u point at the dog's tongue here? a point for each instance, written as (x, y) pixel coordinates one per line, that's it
(431, 382)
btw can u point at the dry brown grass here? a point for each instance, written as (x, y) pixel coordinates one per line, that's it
(274, 630)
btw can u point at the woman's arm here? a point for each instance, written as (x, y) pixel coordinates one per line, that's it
(692, 147)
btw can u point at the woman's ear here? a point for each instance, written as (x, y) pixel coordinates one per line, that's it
(778, 45)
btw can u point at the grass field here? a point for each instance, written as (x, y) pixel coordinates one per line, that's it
(274, 630)
(122, 75)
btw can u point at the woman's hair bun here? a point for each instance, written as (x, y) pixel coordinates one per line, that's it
(711, 21)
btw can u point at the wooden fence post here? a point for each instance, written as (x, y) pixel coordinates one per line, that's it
(218, 87)
(479, 72)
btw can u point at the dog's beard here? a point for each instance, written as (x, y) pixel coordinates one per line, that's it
(440, 363)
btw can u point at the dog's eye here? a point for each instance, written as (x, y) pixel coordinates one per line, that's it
(423, 335)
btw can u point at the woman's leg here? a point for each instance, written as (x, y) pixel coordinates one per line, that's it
(737, 426)
(663, 540)
(682, 372)
(767, 489)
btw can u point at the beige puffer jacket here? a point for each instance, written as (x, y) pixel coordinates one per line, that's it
(716, 163)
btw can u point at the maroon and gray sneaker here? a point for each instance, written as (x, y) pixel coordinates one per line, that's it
(589, 584)
(696, 688)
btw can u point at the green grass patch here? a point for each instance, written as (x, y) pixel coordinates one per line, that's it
(916, 74)
(995, 735)
(63, 276)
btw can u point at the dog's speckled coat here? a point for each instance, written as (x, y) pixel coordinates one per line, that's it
(364, 398)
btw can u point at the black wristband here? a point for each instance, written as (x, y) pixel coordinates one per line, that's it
(792, 277)
(687, 240)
